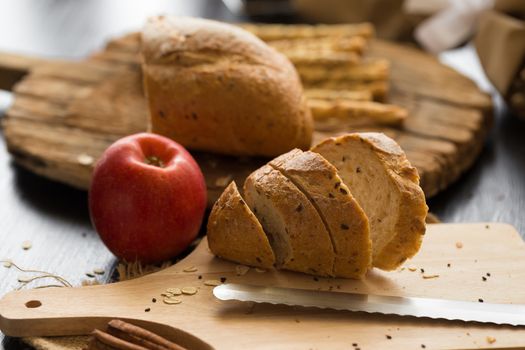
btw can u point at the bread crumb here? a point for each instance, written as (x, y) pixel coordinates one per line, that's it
(427, 277)
(491, 340)
(223, 181)
(190, 269)
(459, 245)
(8, 263)
(85, 159)
(241, 270)
(412, 269)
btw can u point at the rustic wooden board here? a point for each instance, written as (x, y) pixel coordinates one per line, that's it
(493, 248)
(66, 113)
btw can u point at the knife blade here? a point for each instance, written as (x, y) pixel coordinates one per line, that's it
(503, 314)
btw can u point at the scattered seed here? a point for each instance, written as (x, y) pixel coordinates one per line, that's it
(212, 283)
(98, 271)
(174, 291)
(423, 346)
(459, 245)
(427, 277)
(422, 270)
(480, 300)
(257, 269)
(412, 269)
(190, 269)
(241, 270)
(85, 159)
(147, 310)
(388, 336)
(8, 264)
(223, 279)
(189, 290)
(354, 344)
(487, 226)
(26, 245)
(171, 301)
(297, 321)
(200, 277)
(483, 278)
(448, 265)
(166, 294)
(90, 275)
(491, 340)
(488, 274)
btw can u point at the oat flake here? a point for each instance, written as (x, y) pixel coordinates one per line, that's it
(189, 290)
(171, 301)
(212, 283)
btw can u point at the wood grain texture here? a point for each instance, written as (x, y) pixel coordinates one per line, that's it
(491, 248)
(64, 111)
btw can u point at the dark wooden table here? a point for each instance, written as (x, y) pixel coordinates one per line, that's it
(55, 218)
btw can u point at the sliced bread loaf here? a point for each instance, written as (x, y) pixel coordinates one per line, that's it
(235, 234)
(295, 230)
(386, 186)
(346, 222)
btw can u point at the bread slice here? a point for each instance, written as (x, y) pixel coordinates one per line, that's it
(346, 222)
(235, 234)
(386, 186)
(296, 233)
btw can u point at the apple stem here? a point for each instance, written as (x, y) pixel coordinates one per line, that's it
(155, 161)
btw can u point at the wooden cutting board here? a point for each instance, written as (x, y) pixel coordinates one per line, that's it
(66, 113)
(460, 254)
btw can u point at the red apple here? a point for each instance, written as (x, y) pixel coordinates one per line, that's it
(147, 198)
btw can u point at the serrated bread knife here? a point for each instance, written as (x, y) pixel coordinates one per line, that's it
(504, 314)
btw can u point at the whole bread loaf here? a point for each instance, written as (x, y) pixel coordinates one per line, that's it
(215, 87)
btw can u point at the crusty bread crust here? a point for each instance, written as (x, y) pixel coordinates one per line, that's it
(288, 218)
(215, 87)
(409, 220)
(235, 234)
(343, 217)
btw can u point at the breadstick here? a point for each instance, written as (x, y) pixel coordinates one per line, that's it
(358, 111)
(366, 71)
(269, 32)
(325, 94)
(378, 89)
(331, 59)
(354, 44)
